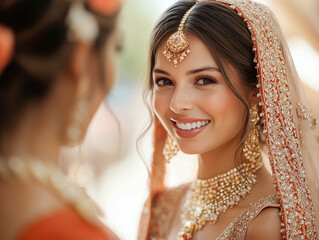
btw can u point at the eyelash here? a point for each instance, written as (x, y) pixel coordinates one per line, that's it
(167, 82)
(156, 82)
(210, 79)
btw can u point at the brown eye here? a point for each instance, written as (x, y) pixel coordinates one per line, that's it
(205, 81)
(164, 82)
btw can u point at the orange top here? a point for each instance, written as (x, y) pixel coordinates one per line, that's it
(65, 225)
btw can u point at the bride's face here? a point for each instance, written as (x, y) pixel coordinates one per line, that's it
(194, 102)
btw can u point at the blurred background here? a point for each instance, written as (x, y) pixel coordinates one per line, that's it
(108, 163)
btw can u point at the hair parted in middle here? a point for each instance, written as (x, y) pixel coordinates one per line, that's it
(227, 37)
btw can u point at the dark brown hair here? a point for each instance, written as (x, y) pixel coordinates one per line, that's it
(227, 37)
(41, 52)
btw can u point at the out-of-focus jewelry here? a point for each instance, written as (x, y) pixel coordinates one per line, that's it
(74, 131)
(177, 46)
(82, 24)
(209, 198)
(170, 149)
(251, 149)
(47, 174)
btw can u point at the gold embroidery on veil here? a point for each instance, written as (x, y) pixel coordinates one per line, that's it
(293, 166)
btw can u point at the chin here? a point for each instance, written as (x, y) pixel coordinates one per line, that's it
(191, 149)
(190, 152)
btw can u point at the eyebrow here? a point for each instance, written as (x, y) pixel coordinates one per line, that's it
(213, 69)
(191, 72)
(157, 70)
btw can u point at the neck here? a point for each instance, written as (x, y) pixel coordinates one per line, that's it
(37, 134)
(216, 162)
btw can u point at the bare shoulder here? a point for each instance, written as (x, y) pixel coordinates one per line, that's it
(266, 226)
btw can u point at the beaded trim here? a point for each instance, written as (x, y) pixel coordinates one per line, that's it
(285, 154)
(165, 207)
(238, 228)
(304, 112)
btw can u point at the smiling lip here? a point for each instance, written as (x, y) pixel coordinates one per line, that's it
(188, 133)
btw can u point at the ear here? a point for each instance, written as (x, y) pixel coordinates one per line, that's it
(79, 67)
(253, 99)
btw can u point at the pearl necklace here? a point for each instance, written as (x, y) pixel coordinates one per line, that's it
(29, 168)
(209, 198)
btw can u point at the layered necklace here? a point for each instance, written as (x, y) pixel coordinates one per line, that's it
(209, 198)
(47, 174)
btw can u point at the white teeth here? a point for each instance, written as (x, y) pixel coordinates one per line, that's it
(193, 125)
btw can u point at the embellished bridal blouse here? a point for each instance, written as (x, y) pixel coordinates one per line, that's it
(165, 207)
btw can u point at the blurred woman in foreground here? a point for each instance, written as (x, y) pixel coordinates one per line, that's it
(56, 67)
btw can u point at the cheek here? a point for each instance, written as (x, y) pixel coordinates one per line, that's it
(161, 105)
(218, 102)
(231, 107)
(232, 112)
(227, 111)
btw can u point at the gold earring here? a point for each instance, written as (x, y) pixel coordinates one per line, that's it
(74, 131)
(251, 149)
(170, 149)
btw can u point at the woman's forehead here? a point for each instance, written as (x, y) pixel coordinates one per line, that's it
(199, 56)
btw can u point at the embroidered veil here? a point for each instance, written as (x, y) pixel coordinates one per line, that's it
(287, 127)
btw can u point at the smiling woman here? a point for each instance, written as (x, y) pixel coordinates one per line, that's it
(218, 78)
(196, 93)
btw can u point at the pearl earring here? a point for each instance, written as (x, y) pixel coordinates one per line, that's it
(74, 131)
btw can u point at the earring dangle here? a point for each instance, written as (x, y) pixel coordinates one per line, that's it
(251, 149)
(170, 149)
(74, 131)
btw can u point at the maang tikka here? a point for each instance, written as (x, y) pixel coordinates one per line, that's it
(177, 46)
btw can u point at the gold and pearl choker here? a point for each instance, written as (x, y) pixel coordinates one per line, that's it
(209, 198)
(47, 174)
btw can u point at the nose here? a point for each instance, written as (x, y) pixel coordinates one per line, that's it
(181, 101)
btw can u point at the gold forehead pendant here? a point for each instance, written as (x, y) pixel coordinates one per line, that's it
(177, 46)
